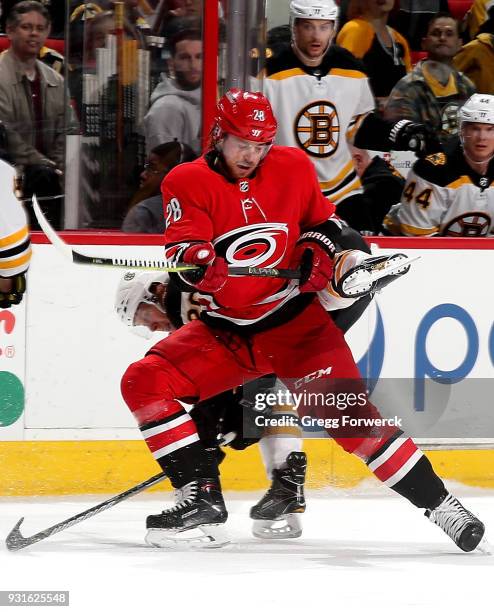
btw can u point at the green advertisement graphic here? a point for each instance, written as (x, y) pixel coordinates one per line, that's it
(11, 398)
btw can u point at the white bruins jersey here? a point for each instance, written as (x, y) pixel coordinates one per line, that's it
(15, 244)
(443, 196)
(318, 109)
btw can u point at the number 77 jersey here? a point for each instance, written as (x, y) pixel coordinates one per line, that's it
(444, 196)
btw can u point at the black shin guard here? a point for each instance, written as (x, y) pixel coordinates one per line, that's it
(188, 464)
(421, 485)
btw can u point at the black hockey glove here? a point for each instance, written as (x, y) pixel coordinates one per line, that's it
(417, 137)
(14, 295)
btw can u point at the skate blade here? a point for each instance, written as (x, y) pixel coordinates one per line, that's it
(484, 547)
(361, 281)
(204, 536)
(287, 526)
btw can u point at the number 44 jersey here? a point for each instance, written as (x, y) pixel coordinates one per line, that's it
(444, 196)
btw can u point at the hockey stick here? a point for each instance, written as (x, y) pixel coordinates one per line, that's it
(15, 540)
(122, 262)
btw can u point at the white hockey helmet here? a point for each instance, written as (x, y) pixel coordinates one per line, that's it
(314, 9)
(479, 108)
(133, 290)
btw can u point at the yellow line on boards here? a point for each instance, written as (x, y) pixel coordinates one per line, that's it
(106, 467)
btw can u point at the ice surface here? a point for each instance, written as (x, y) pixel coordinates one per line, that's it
(361, 550)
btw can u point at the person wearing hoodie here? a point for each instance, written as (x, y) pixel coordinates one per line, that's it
(175, 104)
(476, 59)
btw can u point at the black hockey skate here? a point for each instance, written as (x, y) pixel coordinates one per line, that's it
(462, 526)
(199, 513)
(275, 515)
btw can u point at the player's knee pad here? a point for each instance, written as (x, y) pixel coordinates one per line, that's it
(146, 389)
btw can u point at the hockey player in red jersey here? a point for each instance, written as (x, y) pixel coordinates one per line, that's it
(249, 202)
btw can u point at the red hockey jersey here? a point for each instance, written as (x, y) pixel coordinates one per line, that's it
(251, 222)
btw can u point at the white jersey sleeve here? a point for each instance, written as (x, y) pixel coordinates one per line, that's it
(15, 245)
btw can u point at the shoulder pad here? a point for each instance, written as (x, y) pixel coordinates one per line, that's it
(438, 168)
(338, 57)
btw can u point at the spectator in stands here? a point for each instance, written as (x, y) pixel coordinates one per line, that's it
(146, 212)
(135, 25)
(476, 59)
(175, 104)
(476, 16)
(412, 17)
(56, 8)
(33, 108)
(382, 183)
(85, 37)
(453, 194)
(434, 90)
(177, 15)
(384, 51)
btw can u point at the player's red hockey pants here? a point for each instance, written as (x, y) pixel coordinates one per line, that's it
(308, 353)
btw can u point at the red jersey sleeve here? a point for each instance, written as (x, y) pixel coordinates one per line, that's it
(186, 212)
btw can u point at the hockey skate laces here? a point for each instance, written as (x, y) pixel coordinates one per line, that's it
(452, 518)
(183, 497)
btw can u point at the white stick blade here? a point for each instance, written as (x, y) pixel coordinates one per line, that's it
(51, 234)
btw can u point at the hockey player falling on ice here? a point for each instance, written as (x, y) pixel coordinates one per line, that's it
(248, 201)
(15, 245)
(322, 99)
(151, 301)
(452, 194)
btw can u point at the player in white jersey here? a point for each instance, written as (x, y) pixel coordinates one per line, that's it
(15, 245)
(453, 195)
(322, 100)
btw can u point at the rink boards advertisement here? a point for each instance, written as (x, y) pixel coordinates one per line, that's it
(426, 346)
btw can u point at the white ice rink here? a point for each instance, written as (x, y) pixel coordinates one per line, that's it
(363, 550)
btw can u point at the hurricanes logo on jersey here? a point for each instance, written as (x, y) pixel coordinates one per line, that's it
(259, 245)
(317, 129)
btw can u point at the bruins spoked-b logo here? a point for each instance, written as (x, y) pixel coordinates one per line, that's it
(471, 224)
(317, 129)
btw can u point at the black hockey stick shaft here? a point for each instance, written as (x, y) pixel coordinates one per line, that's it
(126, 262)
(142, 263)
(15, 540)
